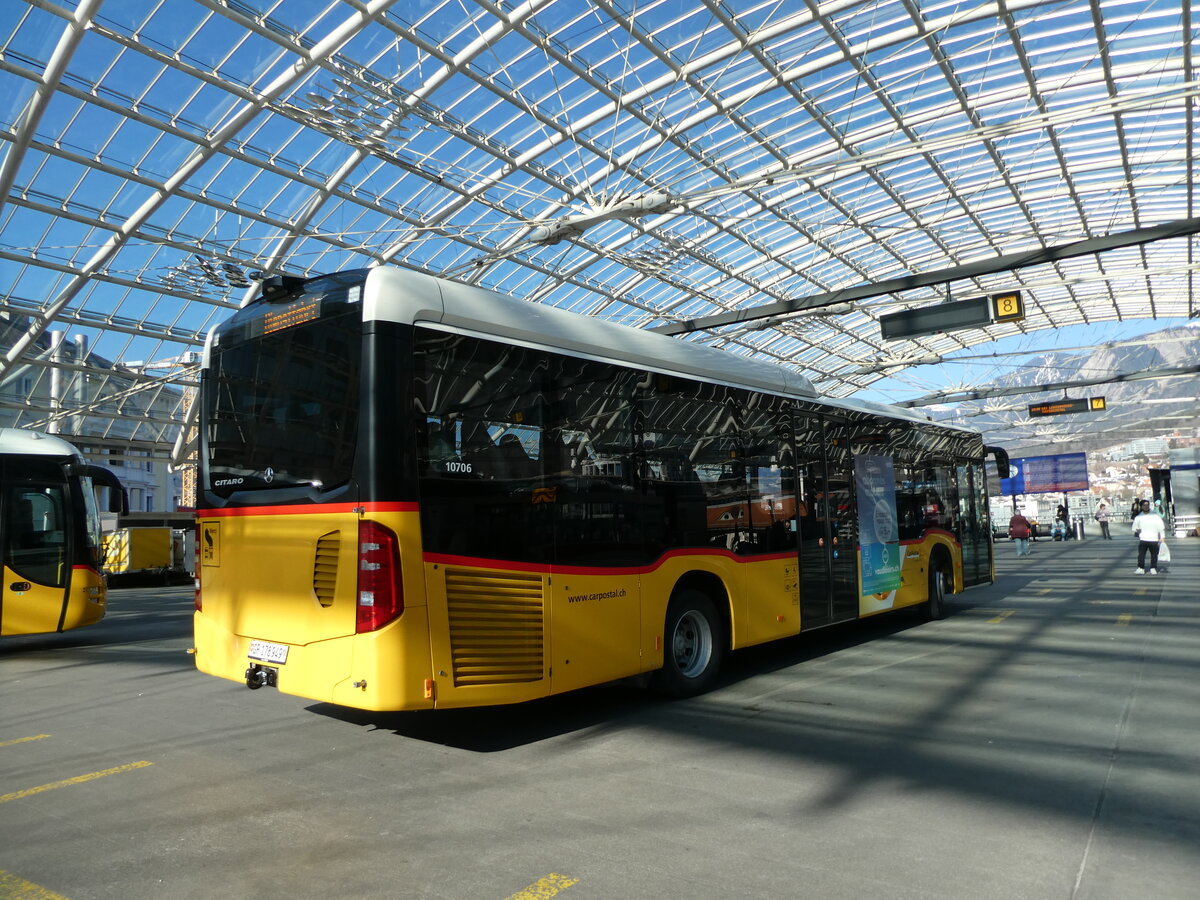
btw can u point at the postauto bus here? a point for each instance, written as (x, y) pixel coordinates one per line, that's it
(50, 534)
(419, 494)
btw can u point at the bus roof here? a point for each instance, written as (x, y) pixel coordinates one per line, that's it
(15, 441)
(401, 295)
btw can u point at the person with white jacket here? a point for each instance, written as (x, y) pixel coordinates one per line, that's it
(1151, 531)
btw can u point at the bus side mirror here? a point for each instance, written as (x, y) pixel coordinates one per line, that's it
(1001, 460)
(118, 497)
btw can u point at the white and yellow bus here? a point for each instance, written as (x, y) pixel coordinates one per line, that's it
(417, 494)
(50, 541)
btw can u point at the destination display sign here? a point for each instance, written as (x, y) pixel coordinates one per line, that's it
(1061, 407)
(292, 314)
(974, 313)
(932, 319)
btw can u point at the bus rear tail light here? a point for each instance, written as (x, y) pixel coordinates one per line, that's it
(380, 594)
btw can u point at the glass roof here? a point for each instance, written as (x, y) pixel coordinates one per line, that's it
(648, 162)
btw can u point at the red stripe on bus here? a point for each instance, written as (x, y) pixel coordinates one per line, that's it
(547, 568)
(313, 509)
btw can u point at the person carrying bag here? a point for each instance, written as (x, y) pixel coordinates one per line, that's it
(1151, 531)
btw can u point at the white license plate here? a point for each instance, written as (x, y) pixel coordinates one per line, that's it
(265, 651)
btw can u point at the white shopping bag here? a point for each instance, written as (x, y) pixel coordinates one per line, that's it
(1164, 552)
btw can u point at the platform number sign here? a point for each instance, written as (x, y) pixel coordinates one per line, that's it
(1008, 307)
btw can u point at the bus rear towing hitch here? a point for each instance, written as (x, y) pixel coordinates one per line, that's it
(261, 676)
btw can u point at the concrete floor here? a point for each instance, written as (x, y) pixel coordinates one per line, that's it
(1040, 742)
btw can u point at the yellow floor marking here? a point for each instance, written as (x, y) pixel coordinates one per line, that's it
(14, 888)
(1124, 619)
(544, 888)
(1142, 591)
(1045, 591)
(78, 779)
(1001, 617)
(32, 737)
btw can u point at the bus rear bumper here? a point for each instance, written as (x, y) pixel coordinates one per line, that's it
(387, 670)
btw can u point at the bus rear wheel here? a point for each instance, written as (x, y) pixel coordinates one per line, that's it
(693, 646)
(935, 608)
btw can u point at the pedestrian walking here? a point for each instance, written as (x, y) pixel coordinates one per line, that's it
(1150, 529)
(1018, 530)
(1102, 517)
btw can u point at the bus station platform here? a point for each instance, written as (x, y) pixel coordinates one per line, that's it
(1038, 742)
(1100, 709)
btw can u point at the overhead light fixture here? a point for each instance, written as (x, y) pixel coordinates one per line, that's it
(572, 226)
(204, 272)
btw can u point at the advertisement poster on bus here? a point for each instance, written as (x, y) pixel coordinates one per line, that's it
(879, 536)
(1046, 475)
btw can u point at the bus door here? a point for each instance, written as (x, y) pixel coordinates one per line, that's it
(974, 525)
(828, 571)
(34, 518)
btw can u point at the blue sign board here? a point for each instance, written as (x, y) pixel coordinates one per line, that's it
(1046, 475)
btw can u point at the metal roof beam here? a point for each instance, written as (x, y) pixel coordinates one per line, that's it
(330, 44)
(1005, 263)
(78, 24)
(985, 393)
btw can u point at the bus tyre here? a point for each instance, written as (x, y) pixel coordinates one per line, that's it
(693, 646)
(936, 607)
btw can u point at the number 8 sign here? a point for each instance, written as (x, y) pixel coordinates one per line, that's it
(1007, 307)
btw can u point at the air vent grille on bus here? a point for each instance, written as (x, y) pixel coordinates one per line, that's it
(325, 567)
(496, 627)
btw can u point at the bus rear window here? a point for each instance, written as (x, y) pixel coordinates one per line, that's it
(282, 404)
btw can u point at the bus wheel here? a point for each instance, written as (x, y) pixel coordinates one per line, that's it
(694, 646)
(935, 608)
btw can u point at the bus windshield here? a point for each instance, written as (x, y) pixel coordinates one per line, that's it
(282, 402)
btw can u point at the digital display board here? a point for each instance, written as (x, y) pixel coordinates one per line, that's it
(971, 313)
(1060, 407)
(1046, 474)
(292, 314)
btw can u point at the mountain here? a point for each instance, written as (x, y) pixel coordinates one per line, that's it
(1138, 406)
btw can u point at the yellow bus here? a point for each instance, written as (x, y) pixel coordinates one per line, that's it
(417, 494)
(50, 534)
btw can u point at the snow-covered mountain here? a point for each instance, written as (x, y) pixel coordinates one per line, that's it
(1138, 406)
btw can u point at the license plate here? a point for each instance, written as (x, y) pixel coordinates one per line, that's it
(268, 652)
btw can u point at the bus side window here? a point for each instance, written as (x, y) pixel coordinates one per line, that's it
(442, 454)
(506, 460)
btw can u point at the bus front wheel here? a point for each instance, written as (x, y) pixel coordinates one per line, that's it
(693, 646)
